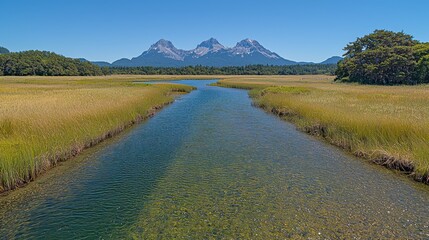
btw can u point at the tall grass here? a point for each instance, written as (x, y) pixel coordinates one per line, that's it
(46, 120)
(386, 124)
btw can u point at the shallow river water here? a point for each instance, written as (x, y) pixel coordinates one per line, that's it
(213, 166)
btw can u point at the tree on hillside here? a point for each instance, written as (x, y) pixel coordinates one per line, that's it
(382, 57)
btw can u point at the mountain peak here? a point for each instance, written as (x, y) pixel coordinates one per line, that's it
(248, 43)
(211, 45)
(250, 46)
(166, 49)
(162, 43)
(249, 40)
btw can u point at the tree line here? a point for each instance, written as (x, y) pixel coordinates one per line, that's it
(244, 70)
(385, 58)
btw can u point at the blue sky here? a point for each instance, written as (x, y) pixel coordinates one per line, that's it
(300, 30)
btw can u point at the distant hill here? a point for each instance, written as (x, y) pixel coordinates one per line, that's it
(208, 53)
(98, 63)
(332, 60)
(3, 50)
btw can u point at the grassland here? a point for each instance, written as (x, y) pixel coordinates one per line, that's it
(388, 125)
(47, 120)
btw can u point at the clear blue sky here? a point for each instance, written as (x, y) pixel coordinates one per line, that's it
(300, 30)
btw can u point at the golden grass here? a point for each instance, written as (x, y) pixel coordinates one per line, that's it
(48, 119)
(386, 124)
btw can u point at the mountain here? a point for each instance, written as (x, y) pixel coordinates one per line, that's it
(332, 60)
(161, 54)
(249, 46)
(207, 47)
(208, 53)
(3, 50)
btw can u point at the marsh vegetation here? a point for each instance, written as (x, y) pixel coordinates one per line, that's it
(47, 120)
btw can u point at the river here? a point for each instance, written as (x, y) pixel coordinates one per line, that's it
(211, 165)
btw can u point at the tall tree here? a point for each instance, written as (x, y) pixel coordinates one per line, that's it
(382, 57)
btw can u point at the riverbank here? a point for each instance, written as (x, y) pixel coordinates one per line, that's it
(387, 125)
(45, 120)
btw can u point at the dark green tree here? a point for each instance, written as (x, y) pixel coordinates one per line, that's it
(382, 57)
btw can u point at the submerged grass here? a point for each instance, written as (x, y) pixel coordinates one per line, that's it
(386, 124)
(47, 120)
